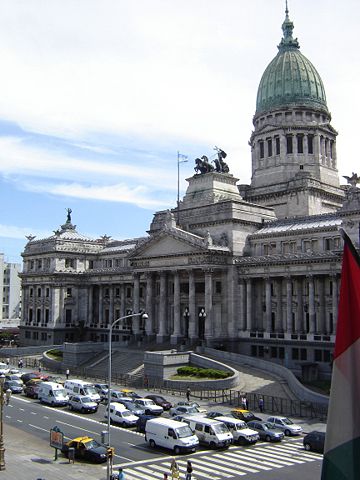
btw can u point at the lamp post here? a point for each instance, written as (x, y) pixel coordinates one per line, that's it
(144, 316)
(2, 400)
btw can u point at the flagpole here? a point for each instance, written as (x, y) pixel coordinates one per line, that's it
(179, 155)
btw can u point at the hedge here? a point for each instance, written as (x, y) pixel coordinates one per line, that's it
(202, 372)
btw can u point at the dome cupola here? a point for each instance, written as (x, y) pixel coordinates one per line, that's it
(290, 79)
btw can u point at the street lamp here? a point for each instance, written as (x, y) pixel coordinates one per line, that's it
(2, 400)
(144, 316)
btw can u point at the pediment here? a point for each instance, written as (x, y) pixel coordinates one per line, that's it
(167, 245)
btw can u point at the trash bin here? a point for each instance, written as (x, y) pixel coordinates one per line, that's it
(71, 455)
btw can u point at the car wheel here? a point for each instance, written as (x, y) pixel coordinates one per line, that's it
(287, 433)
(70, 407)
(212, 445)
(83, 410)
(268, 438)
(307, 447)
(177, 450)
(242, 441)
(123, 424)
(152, 444)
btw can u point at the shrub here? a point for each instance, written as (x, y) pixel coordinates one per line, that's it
(202, 372)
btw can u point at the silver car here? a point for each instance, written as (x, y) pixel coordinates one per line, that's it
(286, 425)
(82, 403)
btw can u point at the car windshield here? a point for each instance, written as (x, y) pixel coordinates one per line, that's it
(192, 410)
(91, 444)
(11, 382)
(86, 400)
(287, 421)
(267, 426)
(90, 390)
(194, 404)
(220, 428)
(248, 415)
(184, 431)
(240, 426)
(148, 402)
(59, 393)
(126, 414)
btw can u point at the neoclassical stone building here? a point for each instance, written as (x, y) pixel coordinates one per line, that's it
(252, 268)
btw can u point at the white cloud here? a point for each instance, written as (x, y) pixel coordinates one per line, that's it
(14, 231)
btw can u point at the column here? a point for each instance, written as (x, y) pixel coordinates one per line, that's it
(317, 151)
(312, 316)
(162, 309)
(334, 302)
(193, 330)
(249, 304)
(242, 300)
(101, 306)
(122, 299)
(299, 321)
(268, 304)
(208, 305)
(288, 305)
(176, 334)
(230, 278)
(321, 323)
(136, 304)
(149, 328)
(56, 305)
(279, 323)
(111, 304)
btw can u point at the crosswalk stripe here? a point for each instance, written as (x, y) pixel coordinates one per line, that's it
(150, 474)
(135, 475)
(243, 464)
(302, 451)
(200, 467)
(235, 458)
(197, 461)
(275, 457)
(255, 456)
(223, 462)
(286, 453)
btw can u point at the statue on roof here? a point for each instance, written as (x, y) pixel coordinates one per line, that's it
(68, 217)
(220, 165)
(353, 180)
(30, 237)
(202, 165)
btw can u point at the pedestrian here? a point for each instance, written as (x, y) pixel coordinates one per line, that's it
(174, 469)
(39, 368)
(243, 402)
(121, 474)
(7, 361)
(8, 396)
(246, 402)
(166, 476)
(188, 392)
(146, 382)
(261, 404)
(21, 363)
(189, 470)
(67, 373)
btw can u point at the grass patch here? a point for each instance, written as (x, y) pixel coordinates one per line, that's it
(319, 386)
(197, 372)
(55, 354)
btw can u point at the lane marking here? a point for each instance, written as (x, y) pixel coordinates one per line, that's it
(38, 428)
(74, 426)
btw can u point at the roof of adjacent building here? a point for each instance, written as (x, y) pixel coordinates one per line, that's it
(290, 78)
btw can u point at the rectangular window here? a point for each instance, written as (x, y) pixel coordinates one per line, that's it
(303, 354)
(39, 292)
(69, 263)
(310, 140)
(261, 147)
(68, 292)
(326, 356)
(68, 316)
(273, 352)
(200, 287)
(218, 287)
(128, 292)
(295, 353)
(300, 145)
(281, 352)
(289, 144)
(253, 350)
(91, 264)
(31, 292)
(117, 292)
(317, 356)
(277, 145)
(47, 292)
(47, 315)
(269, 145)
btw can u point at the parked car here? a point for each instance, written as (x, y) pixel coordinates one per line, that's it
(240, 430)
(217, 413)
(102, 389)
(266, 431)
(149, 406)
(116, 396)
(82, 403)
(86, 448)
(25, 377)
(4, 369)
(286, 425)
(32, 390)
(130, 393)
(245, 415)
(161, 401)
(314, 441)
(184, 410)
(132, 407)
(120, 414)
(140, 424)
(13, 386)
(14, 378)
(200, 409)
(14, 370)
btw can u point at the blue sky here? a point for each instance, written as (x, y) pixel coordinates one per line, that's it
(99, 95)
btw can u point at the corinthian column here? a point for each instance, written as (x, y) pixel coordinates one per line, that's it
(193, 331)
(136, 304)
(149, 304)
(208, 305)
(162, 309)
(176, 334)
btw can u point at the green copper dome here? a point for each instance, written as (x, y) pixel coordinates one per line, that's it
(290, 78)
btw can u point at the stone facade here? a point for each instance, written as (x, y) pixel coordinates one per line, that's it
(254, 269)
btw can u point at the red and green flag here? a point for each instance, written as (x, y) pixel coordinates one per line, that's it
(342, 444)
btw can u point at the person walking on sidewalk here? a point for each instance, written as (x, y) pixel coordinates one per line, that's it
(174, 469)
(188, 392)
(67, 373)
(121, 474)
(261, 404)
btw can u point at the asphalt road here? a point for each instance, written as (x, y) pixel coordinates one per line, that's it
(272, 461)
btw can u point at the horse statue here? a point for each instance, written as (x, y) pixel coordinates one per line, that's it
(202, 165)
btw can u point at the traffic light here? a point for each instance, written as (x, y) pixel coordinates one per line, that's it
(111, 452)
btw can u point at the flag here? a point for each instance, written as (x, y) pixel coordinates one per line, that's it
(342, 443)
(184, 157)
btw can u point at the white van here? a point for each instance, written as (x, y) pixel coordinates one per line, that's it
(239, 430)
(53, 393)
(171, 434)
(209, 432)
(81, 387)
(120, 414)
